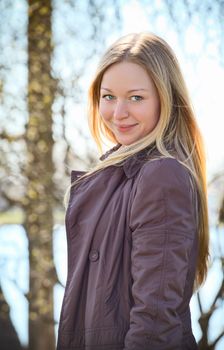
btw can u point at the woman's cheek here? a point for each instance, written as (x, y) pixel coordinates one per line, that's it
(105, 111)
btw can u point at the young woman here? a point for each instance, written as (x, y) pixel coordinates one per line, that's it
(137, 223)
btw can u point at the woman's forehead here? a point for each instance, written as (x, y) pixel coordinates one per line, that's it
(126, 75)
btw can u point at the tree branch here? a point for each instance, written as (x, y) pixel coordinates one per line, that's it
(11, 138)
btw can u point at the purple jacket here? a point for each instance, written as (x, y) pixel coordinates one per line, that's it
(132, 248)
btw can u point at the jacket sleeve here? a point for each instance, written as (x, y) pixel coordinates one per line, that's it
(163, 228)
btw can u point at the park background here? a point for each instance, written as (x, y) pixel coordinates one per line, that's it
(48, 53)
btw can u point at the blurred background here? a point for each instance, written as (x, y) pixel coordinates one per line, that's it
(49, 50)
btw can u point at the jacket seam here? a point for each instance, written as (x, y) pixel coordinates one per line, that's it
(165, 231)
(92, 329)
(131, 199)
(162, 278)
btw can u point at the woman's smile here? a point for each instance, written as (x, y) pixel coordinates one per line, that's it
(125, 128)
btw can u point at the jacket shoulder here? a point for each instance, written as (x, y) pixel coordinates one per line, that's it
(164, 190)
(165, 170)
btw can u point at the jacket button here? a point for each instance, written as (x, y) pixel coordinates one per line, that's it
(93, 255)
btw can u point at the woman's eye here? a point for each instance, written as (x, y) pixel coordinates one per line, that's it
(136, 98)
(107, 97)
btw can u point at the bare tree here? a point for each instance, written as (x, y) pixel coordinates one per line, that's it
(217, 254)
(38, 202)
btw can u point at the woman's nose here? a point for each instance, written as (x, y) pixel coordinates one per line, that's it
(120, 110)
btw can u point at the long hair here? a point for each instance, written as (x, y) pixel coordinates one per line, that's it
(177, 124)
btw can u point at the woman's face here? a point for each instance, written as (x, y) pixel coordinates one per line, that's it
(129, 102)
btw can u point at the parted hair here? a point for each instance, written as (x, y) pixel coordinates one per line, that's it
(176, 134)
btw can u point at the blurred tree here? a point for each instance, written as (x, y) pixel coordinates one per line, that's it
(38, 202)
(217, 255)
(202, 20)
(208, 15)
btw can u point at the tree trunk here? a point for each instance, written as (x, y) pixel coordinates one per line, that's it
(38, 202)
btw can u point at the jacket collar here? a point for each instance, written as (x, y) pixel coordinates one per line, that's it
(132, 164)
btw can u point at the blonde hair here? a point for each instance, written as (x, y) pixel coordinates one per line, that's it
(177, 125)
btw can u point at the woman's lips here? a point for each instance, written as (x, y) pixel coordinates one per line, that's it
(125, 127)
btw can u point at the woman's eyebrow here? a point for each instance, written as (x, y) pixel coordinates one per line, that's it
(132, 90)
